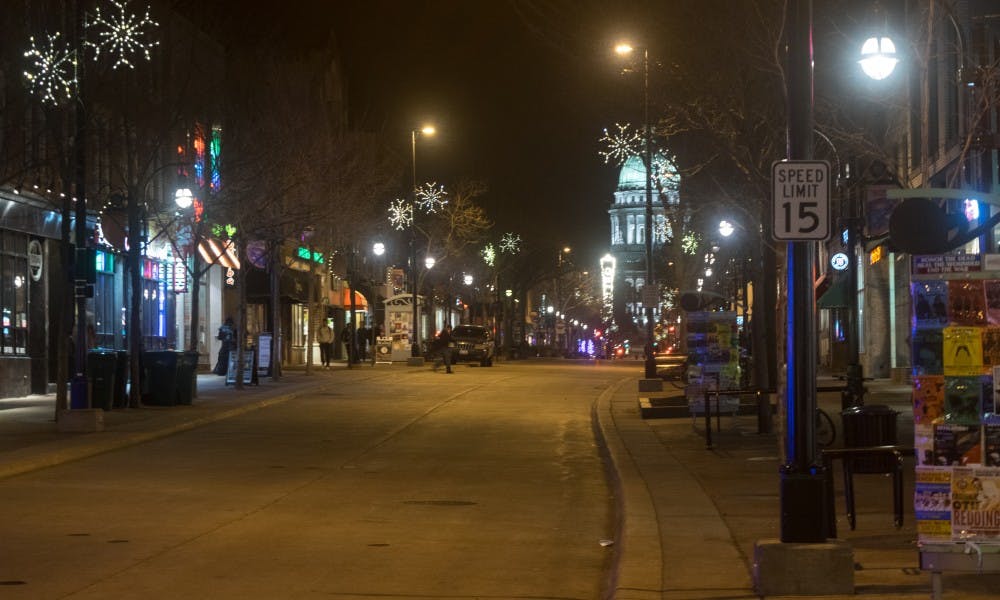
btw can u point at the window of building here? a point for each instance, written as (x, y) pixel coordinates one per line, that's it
(107, 304)
(13, 293)
(630, 233)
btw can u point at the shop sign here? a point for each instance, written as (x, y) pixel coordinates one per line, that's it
(35, 259)
(946, 263)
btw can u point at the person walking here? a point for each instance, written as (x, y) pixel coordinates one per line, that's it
(226, 335)
(324, 337)
(363, 335)
(444, 343)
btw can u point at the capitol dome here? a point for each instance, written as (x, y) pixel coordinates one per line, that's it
(633, 173)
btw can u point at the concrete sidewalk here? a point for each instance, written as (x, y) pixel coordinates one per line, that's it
(692, 515)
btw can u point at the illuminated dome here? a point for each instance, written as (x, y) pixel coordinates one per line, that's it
(633, 173)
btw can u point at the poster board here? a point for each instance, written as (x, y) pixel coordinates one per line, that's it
(383, 350)
(713, 352)
(249, 376)
(264, 340)
(955, 349)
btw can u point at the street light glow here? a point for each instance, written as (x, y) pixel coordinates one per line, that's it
(624, 48)
(183, 198)
(726, 228)
(378, 248)
(878, 57)
(429, 262)
(428, 130)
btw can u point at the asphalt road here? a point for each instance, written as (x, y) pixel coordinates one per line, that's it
(486, 483)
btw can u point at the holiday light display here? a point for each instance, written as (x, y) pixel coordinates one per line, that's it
(431, 197)
(121, 34)
(620, 145)
(52, 75)
(510, 243)
(400, 214)
(489, 254)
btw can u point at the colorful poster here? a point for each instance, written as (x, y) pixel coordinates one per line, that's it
(966, 302)
(991, 346)
(963, 400)
(928, 398)
(932, 503)
(975, 503)
(962, 350)
(992, 288)
(927, 351)
(991, 441)
(930, 304)
(957, 445)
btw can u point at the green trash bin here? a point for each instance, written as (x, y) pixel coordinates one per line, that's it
(187, 376)
(159, 387)
(101, 374)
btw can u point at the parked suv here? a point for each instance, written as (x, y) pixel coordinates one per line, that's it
(473, 343)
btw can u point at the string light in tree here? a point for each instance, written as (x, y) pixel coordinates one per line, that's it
(52, 75)
(689, 244)
(620, 145)
(665, 175)
(431, 197)
(510, 243)
(400, 214)
(121, 34)
(489, 254)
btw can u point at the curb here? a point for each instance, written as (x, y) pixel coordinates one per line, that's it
(638, 557)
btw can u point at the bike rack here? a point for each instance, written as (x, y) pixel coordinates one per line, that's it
(763, 402)
(849, 455)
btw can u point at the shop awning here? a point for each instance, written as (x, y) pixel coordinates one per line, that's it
(835, 296)
(214, 251)
(360, 302)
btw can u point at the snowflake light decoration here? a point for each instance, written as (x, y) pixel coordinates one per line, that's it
(122, 35)
(689, 244)
(431, 197)
(621, 144)
(400, 214)
(53, 72)
(665, 175)
(510, 243)
(489, 254)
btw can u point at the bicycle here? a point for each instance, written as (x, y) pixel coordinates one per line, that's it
(826, 432)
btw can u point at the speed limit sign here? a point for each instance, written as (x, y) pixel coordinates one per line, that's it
(801, 196)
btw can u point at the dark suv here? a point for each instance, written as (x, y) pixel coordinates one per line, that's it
(473, 343)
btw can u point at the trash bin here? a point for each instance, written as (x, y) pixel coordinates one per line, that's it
(187, 376)
(120, 399)
(159, 370)
(866, 426)
(101, 374)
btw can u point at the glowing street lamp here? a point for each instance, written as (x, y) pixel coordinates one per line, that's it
(878, 57)
(426, 130)
(625, 49)
(183, 198)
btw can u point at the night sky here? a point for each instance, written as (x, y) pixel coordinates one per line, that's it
(519, 92)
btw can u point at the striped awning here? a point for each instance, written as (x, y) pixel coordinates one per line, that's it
(220, 252)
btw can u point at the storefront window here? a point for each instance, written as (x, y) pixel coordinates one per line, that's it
(13, 293)
(107, 304)
(154, 306)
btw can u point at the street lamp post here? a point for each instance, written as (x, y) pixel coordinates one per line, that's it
(415, 348)
(650, 362)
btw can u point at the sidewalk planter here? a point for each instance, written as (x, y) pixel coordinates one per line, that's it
(159, 386)
(866, 426)
(101, 374)
(187, 376)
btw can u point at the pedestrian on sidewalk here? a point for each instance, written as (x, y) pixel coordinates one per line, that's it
(444, 343)
(324, 337)
(226, 335)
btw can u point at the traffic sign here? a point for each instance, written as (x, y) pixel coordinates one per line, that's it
(801, 193)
